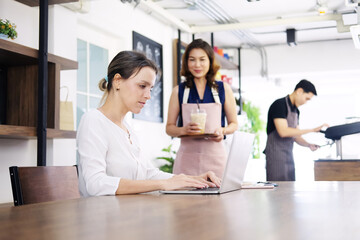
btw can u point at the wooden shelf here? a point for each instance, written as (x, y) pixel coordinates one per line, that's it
(13, 54)
(35, 3)
(18, 91)
(23, 132)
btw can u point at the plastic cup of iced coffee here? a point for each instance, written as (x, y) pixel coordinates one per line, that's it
(199, 116)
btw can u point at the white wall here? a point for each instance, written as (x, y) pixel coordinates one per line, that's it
(25, 19)
(63, 42)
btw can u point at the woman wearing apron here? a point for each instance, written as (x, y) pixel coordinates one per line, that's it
(197, 155)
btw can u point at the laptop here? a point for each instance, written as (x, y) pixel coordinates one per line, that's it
(233, 176)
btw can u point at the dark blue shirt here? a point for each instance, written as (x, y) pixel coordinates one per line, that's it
(208, 98)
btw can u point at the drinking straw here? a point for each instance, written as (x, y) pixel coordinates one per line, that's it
(197, 102)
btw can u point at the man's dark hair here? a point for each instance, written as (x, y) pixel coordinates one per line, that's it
(306, 86)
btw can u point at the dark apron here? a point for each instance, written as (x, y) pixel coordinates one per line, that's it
(280, 164)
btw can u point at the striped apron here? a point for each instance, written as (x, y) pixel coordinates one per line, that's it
(198, 155)
(280, 164)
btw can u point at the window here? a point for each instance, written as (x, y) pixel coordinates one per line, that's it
(93, 61)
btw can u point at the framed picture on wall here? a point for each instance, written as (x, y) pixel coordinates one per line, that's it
(153, 109)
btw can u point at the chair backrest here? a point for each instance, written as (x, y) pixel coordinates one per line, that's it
(43, 184)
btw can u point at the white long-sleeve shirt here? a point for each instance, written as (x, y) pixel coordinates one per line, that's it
(106, 155)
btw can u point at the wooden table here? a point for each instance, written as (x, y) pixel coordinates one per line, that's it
(294, 210)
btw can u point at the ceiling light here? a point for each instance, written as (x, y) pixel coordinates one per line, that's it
(351, 3)
(322, 10)
(130, 1)
(290, 37)
(355, 33)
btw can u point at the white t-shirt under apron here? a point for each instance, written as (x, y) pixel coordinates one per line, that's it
(106, 154)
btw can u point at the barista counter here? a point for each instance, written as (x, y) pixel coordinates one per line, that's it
(337, 170)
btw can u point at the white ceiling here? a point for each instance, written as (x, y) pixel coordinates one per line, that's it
(236, 23)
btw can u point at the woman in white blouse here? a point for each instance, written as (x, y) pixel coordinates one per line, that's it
(109, 152)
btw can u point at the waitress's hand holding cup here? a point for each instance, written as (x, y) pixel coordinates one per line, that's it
(198, 116)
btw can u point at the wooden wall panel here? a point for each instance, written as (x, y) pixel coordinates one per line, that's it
(337, 170)
(51, 95)
(28, 97)
(21, 99)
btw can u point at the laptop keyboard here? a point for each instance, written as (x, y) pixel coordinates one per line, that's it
(210, 189)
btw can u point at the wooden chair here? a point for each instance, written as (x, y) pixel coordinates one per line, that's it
(43, 184)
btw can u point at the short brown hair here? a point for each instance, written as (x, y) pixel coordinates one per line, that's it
(126, 63)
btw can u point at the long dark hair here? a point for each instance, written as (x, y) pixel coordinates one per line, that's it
(126, 63)
(214, 67)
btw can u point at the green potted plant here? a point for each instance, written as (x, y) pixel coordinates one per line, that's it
(168, 166)
(7, 29)
(253, 125)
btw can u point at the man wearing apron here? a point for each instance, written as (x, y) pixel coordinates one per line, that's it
(282, 130)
